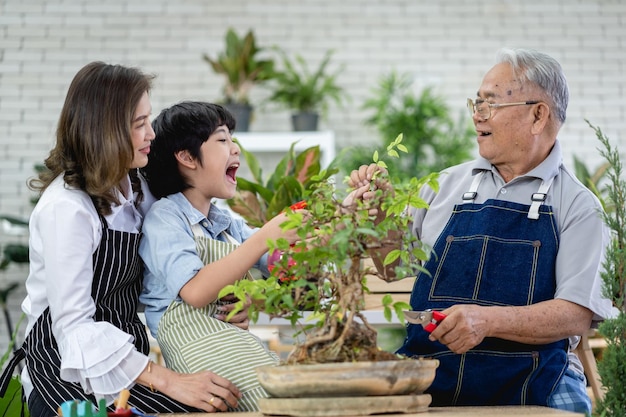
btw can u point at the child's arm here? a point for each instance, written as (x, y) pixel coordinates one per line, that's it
(204, 287)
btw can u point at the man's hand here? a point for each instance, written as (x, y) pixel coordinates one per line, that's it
(465, 326)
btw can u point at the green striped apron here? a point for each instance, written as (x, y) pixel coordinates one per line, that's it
(192, 340)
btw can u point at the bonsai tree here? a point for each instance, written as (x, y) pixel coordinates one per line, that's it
(242, 68)
(323, 272)
(305, 92)
(612, 367)
(258, 200)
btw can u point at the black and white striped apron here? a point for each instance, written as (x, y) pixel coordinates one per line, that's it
(117, 282)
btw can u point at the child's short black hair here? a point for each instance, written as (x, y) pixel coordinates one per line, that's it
(183, 126)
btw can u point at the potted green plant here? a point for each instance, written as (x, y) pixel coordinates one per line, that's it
(322, 276)
(242, 67)
(306, 93)
(257, 200)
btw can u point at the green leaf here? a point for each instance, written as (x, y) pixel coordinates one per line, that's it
(11, 404)
(253, 163)
(392, 257)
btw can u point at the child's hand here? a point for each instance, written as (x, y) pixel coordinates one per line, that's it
(274, 231)
(240, 319)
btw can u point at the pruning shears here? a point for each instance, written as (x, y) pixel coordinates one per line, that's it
(429, 319)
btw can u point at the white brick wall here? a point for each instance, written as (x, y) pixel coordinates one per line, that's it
(449, 44)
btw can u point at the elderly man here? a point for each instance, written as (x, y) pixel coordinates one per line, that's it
(518, 243)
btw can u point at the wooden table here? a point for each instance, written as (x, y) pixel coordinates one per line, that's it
(441, 412)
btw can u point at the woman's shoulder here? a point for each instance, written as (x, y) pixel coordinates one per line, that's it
(60, 196)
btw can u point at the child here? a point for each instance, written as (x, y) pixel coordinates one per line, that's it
(192, 249)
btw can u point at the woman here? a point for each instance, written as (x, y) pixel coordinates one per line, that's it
(83, 338)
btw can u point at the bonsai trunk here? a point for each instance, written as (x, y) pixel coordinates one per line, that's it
(345, 336)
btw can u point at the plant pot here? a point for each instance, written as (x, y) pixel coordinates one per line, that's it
(347, 388)
(305, 121)
(242, 114)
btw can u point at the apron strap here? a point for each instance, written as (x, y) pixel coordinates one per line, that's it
(539, 198)
(197, 230)
(6, 376)
(198, 233)
(469, 196)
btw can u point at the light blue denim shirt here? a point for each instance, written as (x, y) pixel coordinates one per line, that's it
(168, 250)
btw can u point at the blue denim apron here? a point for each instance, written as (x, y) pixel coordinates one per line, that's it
(497, 253)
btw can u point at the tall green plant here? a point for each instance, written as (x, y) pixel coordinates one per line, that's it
(434, 139)
(241, 66)
(612, 367)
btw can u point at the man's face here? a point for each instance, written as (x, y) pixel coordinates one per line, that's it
(506, 139)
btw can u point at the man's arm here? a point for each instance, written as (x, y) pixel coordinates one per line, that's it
(467, 325)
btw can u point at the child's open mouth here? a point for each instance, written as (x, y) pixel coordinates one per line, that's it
(231, 172)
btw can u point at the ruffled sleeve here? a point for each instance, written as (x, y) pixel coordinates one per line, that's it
(100, 368)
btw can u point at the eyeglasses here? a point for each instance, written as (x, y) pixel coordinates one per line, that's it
(483, 108)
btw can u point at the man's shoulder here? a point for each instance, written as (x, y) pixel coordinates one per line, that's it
(574, 189)
(458, 172)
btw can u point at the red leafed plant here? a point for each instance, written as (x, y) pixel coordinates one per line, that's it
(257, 201)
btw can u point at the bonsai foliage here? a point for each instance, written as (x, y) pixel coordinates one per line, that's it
(612, 367)
(434, 139)
(323, 272)
(257, 201)
(298, 88)
(241, 66)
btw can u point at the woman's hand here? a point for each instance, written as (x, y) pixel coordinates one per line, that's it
(204, 390)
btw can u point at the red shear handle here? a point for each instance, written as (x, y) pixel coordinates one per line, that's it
(434, 322)
(298, 206)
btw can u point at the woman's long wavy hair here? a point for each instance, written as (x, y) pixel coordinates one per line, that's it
(93, 147)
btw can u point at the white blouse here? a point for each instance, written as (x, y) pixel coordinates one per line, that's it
(65, 231)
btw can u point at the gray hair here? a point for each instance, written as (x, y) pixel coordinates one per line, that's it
(542, 70)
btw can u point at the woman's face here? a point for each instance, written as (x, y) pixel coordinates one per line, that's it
(141, 132)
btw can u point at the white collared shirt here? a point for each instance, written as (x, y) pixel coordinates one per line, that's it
(65, 231)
